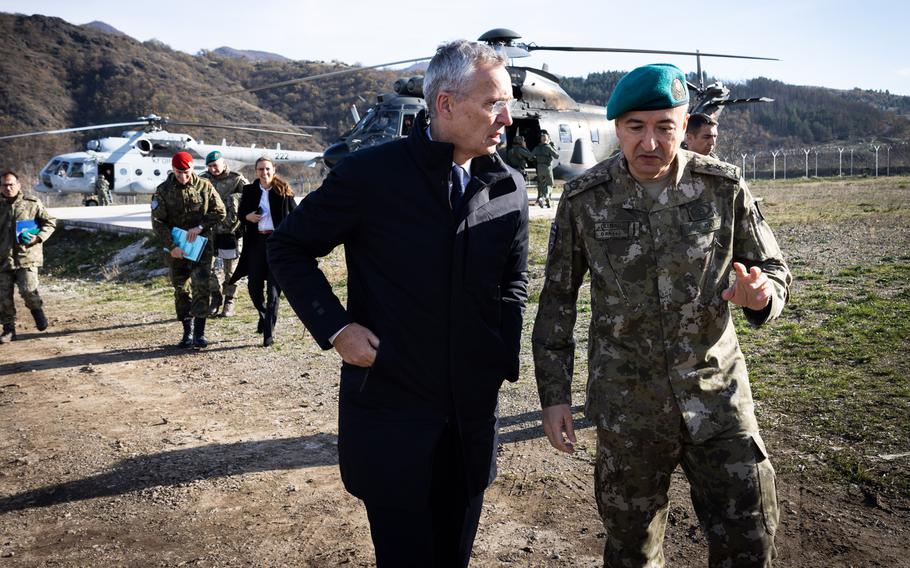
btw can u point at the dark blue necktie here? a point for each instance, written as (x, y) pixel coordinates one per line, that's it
(456, 194)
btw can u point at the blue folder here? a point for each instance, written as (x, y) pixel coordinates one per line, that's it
(191, 250)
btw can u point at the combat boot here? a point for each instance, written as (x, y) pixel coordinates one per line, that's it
(9, 333)
(215, 305)
(187, 340)
(228, 307)
(40, 319)
(199, 339)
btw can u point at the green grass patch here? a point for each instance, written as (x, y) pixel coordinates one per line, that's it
(836, 365)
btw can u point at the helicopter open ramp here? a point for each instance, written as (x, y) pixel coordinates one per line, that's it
(111, 218)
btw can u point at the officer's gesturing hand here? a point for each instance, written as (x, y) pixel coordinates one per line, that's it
(357, 345)
(557, 424)
(752, 289)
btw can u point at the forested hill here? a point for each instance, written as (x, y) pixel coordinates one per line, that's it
(59, 75)
(799, 115)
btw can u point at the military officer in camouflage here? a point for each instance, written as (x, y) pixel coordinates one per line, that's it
(544, 154)
(103, 190)
(519, 157)
(229, 185)
(189, 202)
(660, 230)
(24, 225)
(701, 134)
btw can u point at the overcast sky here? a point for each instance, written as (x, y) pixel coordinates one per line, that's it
(834, 43)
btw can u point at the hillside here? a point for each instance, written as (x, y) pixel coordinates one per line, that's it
(59, 75)
(799, 115)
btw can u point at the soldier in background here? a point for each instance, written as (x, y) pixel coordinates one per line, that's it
(24, 225)
(519, 156)
(103, 190)
(189, 202)
(701, 134)
(544, 154)
(229, 185)
(661, 231)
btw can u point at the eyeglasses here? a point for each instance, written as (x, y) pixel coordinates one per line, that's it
(14, 184)
(499, 106)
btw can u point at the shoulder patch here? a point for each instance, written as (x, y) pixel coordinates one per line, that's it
(154, 204)
(597, 175)
(714, 167)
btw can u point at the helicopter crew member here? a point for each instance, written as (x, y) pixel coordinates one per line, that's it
(229, 185)
(103, 190)
(544, 154)
(519, 157)
(701, 134)
(435, 296)
(661, 230)
(191, 203)
(24, 225)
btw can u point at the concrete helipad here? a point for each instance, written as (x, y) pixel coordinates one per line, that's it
(114, 218)
(137, 218)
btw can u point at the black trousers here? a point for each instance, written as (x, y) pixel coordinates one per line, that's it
(262, 286)
(440, 536)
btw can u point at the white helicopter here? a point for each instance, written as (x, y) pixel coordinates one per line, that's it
(135, 162)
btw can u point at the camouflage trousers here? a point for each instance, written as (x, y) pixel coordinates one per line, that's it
(732, 489)
(544, 182)
(26, 279)
(222, 270)
(191, 285)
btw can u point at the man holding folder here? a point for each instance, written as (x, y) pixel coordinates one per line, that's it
(188, 202)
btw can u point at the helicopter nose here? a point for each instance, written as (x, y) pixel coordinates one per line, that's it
(335, 153)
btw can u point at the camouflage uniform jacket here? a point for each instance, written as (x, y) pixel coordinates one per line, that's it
(185, 206)
(229, 186)
(13, 254)
(544, 154)
(661, 343)
(519, 157)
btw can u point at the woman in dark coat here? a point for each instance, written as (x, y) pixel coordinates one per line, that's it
(263, 206)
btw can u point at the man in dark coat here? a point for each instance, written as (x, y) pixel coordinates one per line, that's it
(435, 234)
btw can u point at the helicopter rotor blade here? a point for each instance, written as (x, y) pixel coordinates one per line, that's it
(319, 76)
(247, 129)
(533, 47)
(77, 129)
(255, 124)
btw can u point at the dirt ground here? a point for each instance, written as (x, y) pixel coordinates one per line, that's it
(118, 449)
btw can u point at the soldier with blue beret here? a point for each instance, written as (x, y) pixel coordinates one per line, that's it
(661, 230)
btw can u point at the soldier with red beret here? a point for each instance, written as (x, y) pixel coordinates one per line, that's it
(186, 201)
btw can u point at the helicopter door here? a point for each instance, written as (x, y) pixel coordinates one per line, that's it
(107, 171)
(529, 128)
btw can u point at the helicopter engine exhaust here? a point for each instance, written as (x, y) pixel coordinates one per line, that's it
(409, 86)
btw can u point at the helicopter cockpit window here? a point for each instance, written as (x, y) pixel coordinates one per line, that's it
(406, 124)
(76, 170)
(386, 122)
(565, 134)
(595, 135)
(62, 169)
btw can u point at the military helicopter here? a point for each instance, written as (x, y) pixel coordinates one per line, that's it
(135, 162)
(582, 134)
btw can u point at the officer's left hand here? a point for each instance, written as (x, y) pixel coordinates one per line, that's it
(28, 239)
(192, 234)
(752, 289)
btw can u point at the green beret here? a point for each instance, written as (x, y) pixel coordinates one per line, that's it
(651, 87)
(213, 155)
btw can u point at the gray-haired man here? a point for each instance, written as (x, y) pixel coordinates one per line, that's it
(435, 231)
